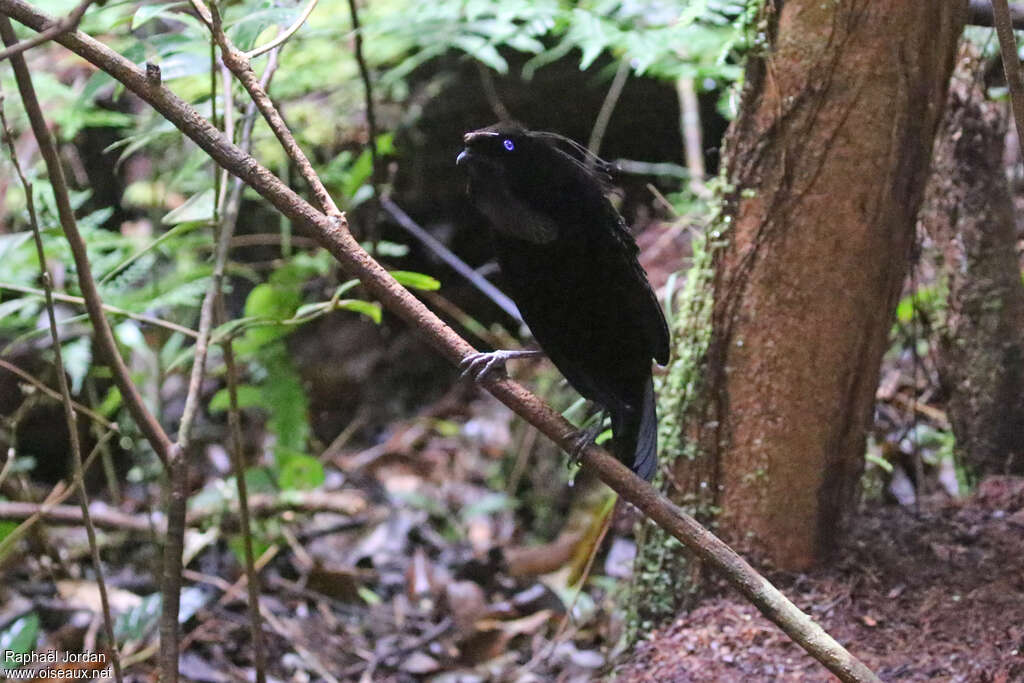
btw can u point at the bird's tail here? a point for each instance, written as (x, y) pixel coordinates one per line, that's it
(635, 432)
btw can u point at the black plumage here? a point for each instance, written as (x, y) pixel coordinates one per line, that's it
(570, 264)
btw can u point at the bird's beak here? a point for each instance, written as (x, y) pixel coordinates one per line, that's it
(463, 155)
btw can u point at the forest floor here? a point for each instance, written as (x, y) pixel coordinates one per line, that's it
(935, 595)
(447, 543)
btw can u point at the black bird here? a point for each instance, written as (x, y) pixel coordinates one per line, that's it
(570, 264)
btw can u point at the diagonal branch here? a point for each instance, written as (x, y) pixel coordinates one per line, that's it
(91, 414)
(333, 235)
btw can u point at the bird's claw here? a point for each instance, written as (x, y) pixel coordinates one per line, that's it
(479, 365)
(580, 441)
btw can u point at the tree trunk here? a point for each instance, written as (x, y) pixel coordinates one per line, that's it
(826, 164)
(970, 217)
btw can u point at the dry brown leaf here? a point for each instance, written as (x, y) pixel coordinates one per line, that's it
(86, 595)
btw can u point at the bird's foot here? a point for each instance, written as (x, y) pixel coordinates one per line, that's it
(580, 441)
(479, 365)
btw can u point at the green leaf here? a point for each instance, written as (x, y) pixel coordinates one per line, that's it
(110, 403)
(248, 396)
(488, 504)
(311, 311)
(6, 529)
(285, 399)
(252, 25)
(416, 280)
(905, 309)
(258, 480)
(237, 546)
(298, 471)
(198, 207)
(483, 51)
(879, 461)
(77, 356)
(371, 309)
(368, 596)
(357, 175)
(9, 243)
(19, 638)
(149, 12)
(14, 305)
(139, 620)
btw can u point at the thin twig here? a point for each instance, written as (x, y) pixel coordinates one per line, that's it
(229, 133)
(58, 494)
(288, 33)
(141, 317)
(68, 23)
(175, 537)
(69, 514)
(91, 414)
(263, 506)
(491, 93)
(482, 284)
(689, 124)
(145, 420)
(1011, 64)
(333, 235)
(371, 124)
(237, 61)
(608, 106)
(5, 471)
(24, 80)
(229, 221)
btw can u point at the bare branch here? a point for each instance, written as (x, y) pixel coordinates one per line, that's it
(58, 494)
(333, 235)
(91, 414)
(68, 514)
(371, 124)
(693, 146)
(263, 505)
(608, 106)
(981, 14)
(445, 254)
(1011, 64)
(229, 220)
(141, 317)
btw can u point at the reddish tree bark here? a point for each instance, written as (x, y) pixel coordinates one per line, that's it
(827, 163)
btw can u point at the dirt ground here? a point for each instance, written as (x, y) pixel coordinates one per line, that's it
(935, 595)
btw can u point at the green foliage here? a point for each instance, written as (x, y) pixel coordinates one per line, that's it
(666, 39)
(135, 623)
(19, 638)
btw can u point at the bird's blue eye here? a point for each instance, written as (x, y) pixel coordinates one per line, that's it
(509, 145)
